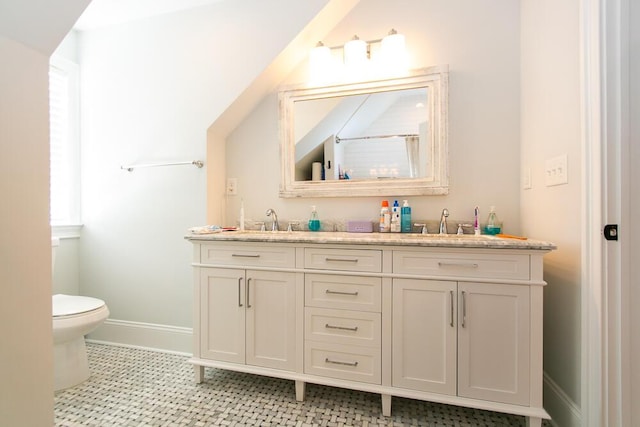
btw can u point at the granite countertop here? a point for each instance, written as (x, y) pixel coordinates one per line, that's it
(390, 239)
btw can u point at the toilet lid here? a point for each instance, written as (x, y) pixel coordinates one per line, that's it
(65, 305)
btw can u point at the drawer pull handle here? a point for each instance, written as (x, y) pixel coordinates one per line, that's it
(342, 328)
(353, 294)
(246, 255)
(341, 259)
(338, 362)
(457, 264)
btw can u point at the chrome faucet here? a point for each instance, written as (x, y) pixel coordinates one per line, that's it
(443, 221)
(274, 225)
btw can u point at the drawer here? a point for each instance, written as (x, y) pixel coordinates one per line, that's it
(344, 292)
(343, 259)
(249, 255)
(486, 265)
(343, 362)
(342, 327)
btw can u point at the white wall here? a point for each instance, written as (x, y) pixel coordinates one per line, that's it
(551, 127)
(28, 35)
(150, 91)
(480, 42)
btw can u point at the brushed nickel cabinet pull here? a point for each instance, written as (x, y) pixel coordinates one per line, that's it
(457, 264)
(239, 291)
(246, 255)
(338, 362)
(248, 292)
(451, 295)
(464, 309)
(341, 259)
(329, 291)
(343, 328)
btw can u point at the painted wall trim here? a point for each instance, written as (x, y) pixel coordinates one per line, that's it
(165, 338)
(564, 411)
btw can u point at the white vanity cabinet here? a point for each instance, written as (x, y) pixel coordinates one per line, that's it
(246, 316)
(449, 320)
(465, 339)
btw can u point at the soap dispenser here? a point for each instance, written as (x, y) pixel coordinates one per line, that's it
(314, 221)
(493, 226)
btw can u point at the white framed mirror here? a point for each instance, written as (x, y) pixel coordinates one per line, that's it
(378, 138)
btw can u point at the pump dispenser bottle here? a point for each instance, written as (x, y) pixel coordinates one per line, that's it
(405, 217)
(314, 221)
(493, 224)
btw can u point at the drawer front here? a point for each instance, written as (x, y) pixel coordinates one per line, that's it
(249, 255)
(343, 259)
(344, 292)
(342, 327)
(490, 266)
(343, 362)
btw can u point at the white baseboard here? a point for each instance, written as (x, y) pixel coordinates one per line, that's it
(563, 410)
(173, 339)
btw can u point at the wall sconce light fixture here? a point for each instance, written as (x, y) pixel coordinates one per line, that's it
(360, 59)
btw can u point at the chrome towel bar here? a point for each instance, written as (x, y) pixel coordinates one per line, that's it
(130, 168)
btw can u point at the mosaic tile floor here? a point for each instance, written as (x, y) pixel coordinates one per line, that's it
(133, 387)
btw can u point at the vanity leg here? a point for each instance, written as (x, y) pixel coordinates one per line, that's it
(199, 371)
(534, 422)
(300, 386)
(386, 405)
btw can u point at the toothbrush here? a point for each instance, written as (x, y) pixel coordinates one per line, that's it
(476, 223)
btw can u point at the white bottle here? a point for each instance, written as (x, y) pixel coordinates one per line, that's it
(385, 217)
(395, 217)
(241, 215)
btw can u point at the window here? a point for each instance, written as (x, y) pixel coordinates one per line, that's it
(65, 147)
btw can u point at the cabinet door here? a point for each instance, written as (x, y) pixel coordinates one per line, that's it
(222, 314)
(493, 342)
(271, 319)
(424, 335)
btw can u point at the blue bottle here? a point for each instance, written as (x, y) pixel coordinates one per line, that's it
(405, 217)
(314, 221)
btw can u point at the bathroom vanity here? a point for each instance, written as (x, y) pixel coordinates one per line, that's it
(449, 319)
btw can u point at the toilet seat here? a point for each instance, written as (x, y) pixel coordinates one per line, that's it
(69, 305)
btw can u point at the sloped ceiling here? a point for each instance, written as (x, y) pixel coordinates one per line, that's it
(39, 24)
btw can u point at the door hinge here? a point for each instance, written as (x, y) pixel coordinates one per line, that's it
(611, 231)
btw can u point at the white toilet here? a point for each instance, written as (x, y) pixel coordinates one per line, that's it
(73, 318)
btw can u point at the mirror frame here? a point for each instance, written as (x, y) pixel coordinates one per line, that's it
(435, 79)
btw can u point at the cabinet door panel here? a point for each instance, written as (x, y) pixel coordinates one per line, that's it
(222, 314)
(493, 342)
(270, 314)
(424, 335)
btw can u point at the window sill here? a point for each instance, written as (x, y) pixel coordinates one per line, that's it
(67, 231)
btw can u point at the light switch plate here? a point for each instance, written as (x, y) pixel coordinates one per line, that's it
(232, 186)
(526, 179)
(555, 172)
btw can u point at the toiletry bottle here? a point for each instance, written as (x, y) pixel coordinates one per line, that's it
(385, 217)
(314, 221)
(241, 215)
(493, 225)
(395, 217)
(405, 217)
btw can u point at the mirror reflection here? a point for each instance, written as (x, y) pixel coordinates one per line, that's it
(368, 136)
(380, 138)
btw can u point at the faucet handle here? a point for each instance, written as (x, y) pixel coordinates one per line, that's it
(292, 224)
(262, 226)
(423, 229)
